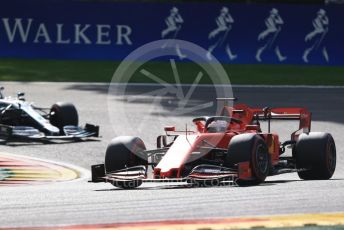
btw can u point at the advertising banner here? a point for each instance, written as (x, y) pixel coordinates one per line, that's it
(233, 33)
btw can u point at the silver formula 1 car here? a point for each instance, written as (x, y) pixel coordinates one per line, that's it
(20, 119)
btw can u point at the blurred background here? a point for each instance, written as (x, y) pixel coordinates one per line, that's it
(288, 42)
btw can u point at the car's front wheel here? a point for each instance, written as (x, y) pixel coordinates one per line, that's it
(249, 148)
(121, 153)
(62, 114)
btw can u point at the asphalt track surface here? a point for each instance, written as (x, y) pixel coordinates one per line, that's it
(79, 202)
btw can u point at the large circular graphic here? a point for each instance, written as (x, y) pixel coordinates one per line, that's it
(143, 110)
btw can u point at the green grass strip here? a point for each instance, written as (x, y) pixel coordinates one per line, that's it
(102, 71)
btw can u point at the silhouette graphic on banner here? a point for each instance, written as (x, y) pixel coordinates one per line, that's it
(174, 24)
(220, 34)
(269, 36)
(317, 36)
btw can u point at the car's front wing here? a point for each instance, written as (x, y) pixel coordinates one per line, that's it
(201, 174)
(27, 132)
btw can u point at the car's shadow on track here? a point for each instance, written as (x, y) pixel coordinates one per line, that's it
(273, 182)
(191, 186)
(225, 185)
(276, 182)
(145, 188)
(159, 187)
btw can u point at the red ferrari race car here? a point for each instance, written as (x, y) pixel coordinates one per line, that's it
(231, 147)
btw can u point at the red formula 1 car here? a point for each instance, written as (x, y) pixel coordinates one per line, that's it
(229, 147)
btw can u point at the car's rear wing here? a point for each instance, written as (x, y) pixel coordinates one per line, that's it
(301, 114)
(248, 115)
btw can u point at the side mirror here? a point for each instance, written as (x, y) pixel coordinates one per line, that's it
(267, 115)
(21, 95)
(266, 111)
(1, 89)
(170, 128)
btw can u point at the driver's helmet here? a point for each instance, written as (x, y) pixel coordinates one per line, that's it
(217, 126)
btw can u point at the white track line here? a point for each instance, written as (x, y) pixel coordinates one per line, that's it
(187, 85)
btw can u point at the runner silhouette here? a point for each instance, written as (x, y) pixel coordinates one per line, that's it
(224, 24)
(320, 24)
(174, 23)
(273, 25)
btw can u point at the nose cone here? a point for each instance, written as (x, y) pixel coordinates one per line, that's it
(171, 164)
(52, 129)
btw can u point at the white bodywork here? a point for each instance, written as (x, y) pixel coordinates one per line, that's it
(27, 108)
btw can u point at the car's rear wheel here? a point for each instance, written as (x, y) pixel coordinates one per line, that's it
(121, 153)
(62, 114)
(249, 148)
(315, 155)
